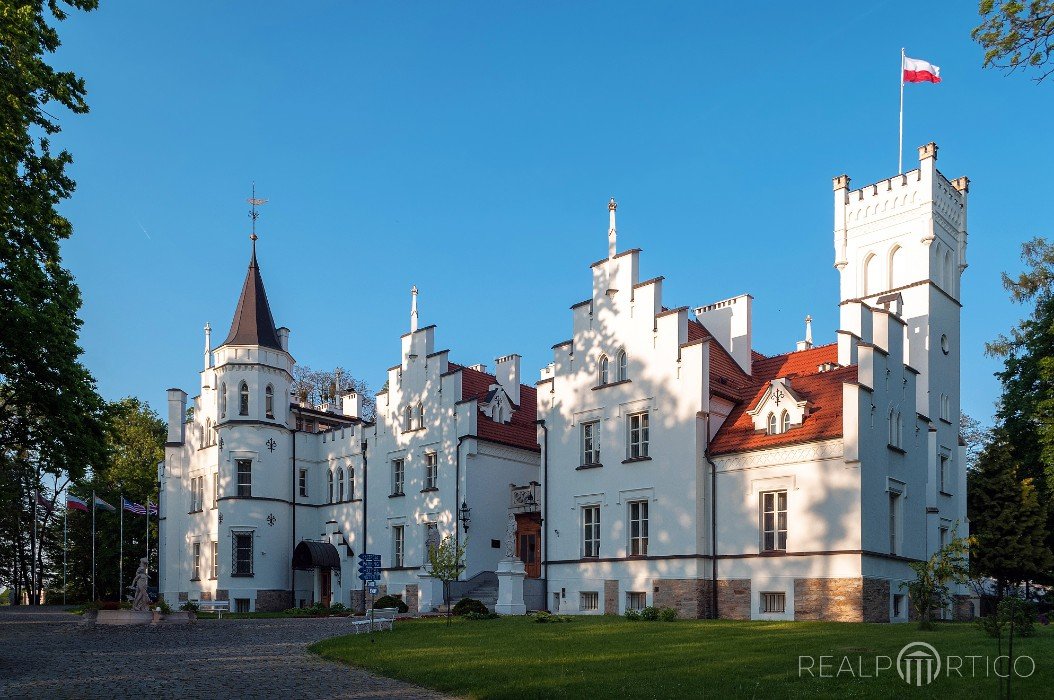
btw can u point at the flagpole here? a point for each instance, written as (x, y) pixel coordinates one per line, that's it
(65, 515)
(93, 597)
(33, 547)
(120, 557)
(900, 145)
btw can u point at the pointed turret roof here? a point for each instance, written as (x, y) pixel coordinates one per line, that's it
(253, 323)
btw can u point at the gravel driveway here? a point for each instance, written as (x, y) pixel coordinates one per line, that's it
(47, 653)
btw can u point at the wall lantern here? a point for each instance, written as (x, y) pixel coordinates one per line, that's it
(465, 515)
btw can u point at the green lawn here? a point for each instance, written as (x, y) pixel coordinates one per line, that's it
(605, 656)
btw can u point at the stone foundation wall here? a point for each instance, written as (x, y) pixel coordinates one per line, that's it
(876, 605)
(831, 599)
(411, 598)
(733, 599)
(611, 597)
(223, 594)
(273, 601)
(685, 595)
(962, 608)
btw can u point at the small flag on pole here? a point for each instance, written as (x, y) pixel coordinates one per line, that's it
(918, 71)
(132, 507)
(152, 507)
(99, 503)
(74, 503)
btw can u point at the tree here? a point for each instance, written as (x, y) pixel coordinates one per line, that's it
(1016, 34)
(930, 590)
(322, 386)
(50, 412)
(1008, 519)
(976, 437)
(447, 561)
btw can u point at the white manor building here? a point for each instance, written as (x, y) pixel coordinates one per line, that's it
(661, 460)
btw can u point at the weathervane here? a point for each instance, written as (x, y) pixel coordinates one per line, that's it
(253, 214)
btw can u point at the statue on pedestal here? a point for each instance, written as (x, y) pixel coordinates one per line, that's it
(141, 601)
(431, 544)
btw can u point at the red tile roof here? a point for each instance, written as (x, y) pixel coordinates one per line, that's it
(726, 376)
(521, 431)
(823, 391)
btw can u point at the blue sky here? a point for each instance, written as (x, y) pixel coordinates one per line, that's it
(471, 148)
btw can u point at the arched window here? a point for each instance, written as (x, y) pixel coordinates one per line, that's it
(420, 415)
(785, 422)
(621, 366)
(340, 481)
(243, 400)
(269, 401)
(772, 424)
(223, 400)
(602, 373)
(949, 275)
(871, 281)
(897, 265)
(894, 431)
(499, 414)
(329, 497)
(351, 483)
(900, 430)
(408, 417)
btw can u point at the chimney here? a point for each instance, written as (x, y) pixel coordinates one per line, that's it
(351, 404)
(177, 416)
(283, 338)
(507, 372)
(729, 321)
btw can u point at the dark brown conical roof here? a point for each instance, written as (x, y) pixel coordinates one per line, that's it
(253, 323)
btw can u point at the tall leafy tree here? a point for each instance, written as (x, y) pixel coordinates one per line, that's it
(50, 412)
(1017, 35)
(319, 386)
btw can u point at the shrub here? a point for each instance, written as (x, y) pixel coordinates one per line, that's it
(649, 614)
(390, 601)
(544, 617)
(163, 605)
(632, 615)
(298, 612)
(189, 606)
(338, 609)
(470, 605)
(667, 614)
(481, 616)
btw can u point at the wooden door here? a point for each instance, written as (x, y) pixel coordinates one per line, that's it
(529, 543)
(327, 585)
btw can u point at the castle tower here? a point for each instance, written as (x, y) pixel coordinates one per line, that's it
(900, 245)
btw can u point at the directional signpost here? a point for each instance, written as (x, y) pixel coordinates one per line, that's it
(369, 574)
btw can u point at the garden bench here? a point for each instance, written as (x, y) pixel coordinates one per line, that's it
(382, 619)
(217, 606)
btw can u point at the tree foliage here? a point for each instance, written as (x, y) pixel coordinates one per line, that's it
(975, 435)
(322, 386)
(446, 562)
(930, 591)
(51, 417)
(1016, 34)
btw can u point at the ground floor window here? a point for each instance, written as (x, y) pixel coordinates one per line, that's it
(590, 600)
(773, 602)
(243, 554)
(898, 605)
(241, 605)
(636, 600)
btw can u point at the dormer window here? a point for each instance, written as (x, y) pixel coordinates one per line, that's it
(772, 424)
(243, 400)
(602, 374)
(621, 366)
(269, 401)
(779, 408)
(785, 422)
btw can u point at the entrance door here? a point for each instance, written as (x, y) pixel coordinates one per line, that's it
(327, 585)
(528, 543)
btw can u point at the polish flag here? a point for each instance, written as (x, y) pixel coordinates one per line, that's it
(918, 71)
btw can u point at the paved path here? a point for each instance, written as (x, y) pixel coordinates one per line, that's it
(47, 653)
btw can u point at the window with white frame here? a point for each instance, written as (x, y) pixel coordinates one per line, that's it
(943, 472)
(896, 429)
(637, 434)
(242, 546)
(195, 505)
(590, 600)
(621, 366)
(223, 400)
(195, 554)
(894, 522)
(431, 470)
(398, 476)
(408, 418)
(351, 483)
(638, 528)
(602, 371)
(269, 401)
(591, 531)
(303, 483)
(774, 521)
(215, 490)
(774, 602)
(420, 416)
(591, 442)
(329, 486)
(398, 544)
(340, 482)
(215, 559)
(245, 477)
(946, 408)
(636, 600)
(243, 399)
(785, 422)
(772, 424)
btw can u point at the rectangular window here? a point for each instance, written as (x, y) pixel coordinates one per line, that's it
(638, 435)
(241, 605)
(898, 605)
(398, 543)
(638, 528)
(351, 483)
(215, 490)
(590, 600)
(431, 470)
(944, 475)
(303, 483)
(195, 500)
(774, 521)
(942, 537)
(946, 408)
(636, 601)
(773, 602)
(894, 521)
(398, 477)
(243, 554)
(215, 559)
(591, 531)
(196, 559)
(591, 443)
(245, 478)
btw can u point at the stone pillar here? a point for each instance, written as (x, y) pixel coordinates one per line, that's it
(510, 587)
(430, 592)
(410, 597)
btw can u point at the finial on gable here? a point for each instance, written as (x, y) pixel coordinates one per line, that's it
(413, 308)
(807, 343)
(612, 206)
